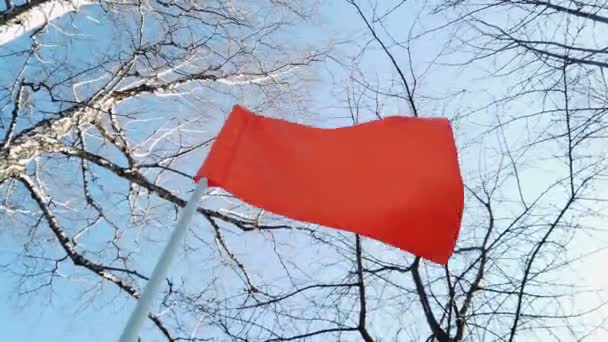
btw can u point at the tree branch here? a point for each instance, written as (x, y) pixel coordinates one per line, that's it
(361, 284)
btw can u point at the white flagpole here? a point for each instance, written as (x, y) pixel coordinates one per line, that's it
(131, 332)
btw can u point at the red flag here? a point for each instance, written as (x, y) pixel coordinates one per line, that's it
(395, 180)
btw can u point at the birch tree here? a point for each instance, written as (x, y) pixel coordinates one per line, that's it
(107, 110)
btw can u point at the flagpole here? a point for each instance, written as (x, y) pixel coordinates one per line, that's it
(131, 331)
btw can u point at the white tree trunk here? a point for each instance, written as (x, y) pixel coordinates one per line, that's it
(36, 17)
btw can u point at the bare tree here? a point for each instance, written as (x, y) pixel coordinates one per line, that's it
(100, 125)
(101, 135)
(532, 171)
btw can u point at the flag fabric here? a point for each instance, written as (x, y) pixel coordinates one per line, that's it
(395, 180)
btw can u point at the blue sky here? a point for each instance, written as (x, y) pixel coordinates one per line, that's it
(61, 313)
(67, 317)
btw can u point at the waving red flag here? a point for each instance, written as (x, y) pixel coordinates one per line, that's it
(395, 180)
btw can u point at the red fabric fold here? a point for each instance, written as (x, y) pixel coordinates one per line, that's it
(395, 180)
